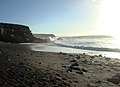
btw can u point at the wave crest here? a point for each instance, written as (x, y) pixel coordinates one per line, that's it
(87, 47)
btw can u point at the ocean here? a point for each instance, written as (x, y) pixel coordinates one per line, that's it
(92, 45)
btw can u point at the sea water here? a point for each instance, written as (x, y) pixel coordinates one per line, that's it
(92, 45)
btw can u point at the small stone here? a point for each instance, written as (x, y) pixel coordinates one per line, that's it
(2, 52)
(73, 60)
(76, 81)
(83, 53)
(92, 57)
(40, 63)
(70, 55)
(80, 72)
(92, 85)
(84, 70)
(75, 64)
(58, 78)
(64, 66)
(98, 81)
(78, 57)
(60, 52)
(64, 53)
(8, 59)
(25, 60)
(64, 78)
(69, 70)
(17, 54)
(100, 55)
(85, 61)
(114, 80)
(74, 68)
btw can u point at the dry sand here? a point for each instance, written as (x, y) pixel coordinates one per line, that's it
(21, 67)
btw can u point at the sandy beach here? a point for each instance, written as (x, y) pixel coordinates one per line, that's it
(22, 67)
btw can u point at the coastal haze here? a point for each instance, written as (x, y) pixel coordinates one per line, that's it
(64, 17)
(59, 43)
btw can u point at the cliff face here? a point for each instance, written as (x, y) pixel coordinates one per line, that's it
(15, 33)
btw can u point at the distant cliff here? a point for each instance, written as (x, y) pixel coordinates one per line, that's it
(43, 36)
(16, 33)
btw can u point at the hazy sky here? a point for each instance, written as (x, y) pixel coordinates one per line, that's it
(61, 17)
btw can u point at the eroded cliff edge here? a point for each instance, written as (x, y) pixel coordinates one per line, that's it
(16, 33)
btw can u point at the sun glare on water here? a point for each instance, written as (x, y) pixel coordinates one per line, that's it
(109, 17)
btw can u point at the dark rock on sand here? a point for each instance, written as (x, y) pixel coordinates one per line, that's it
(80, 72)
(16, 33)
(84, 70)
(115, 79)
(100, 55)
(63, 53)
(78, 57)
(75, 64)
(92, 57)
(74, 60)
(74, 68)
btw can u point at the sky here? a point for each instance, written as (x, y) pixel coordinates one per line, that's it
(64, 17)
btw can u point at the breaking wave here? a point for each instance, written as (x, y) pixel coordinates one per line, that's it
(89, 48)
(86, 44)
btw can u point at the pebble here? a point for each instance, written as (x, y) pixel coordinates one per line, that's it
(100, 55)
(73, 68)
(73, 60)
(115, 79)
(92, 57)
(80, 72)
(78, 57)
(92, 85)
(8, 59)
(75, 64)
(84, 70)
(83, 53)
(58, 78)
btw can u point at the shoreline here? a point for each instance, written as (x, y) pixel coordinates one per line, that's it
(21, 66)
(51, 47)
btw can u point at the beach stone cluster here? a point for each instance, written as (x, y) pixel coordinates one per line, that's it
(19, 75)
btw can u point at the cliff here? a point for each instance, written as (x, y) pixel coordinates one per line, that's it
(16, 33)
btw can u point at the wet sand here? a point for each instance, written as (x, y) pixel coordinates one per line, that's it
(22, 67)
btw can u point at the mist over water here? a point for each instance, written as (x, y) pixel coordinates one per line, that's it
(93, 45)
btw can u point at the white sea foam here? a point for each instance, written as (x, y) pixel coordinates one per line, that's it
(50, 39)
(104, 45)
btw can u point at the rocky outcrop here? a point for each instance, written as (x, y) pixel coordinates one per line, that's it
(15, 33)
